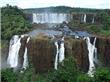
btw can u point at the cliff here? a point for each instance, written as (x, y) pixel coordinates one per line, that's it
(42, 52)
(103, 50)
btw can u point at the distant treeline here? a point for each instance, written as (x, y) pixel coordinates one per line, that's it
(64, 9)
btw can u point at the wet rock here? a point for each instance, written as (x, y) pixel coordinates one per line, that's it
(103, 49)
(78, 50)
(42, 52)
(21, 51)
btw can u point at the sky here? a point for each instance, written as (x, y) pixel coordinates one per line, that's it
(99, 4)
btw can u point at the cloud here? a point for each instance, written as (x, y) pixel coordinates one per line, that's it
(47, 3)
(44, 3)
(92, 3)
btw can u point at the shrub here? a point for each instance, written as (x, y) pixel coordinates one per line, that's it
(66, 73)
(8, 76)
(13, 22)
(102, 75)
(84, 78)
(93, 28)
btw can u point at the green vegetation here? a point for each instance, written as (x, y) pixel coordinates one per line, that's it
(13, 21)
(67, 72)
(101, 28)
(8, 76)
(63, 9)
(102, 75)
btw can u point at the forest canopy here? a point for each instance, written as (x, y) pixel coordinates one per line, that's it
(13, 21)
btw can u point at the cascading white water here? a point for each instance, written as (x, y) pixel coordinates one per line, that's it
(93, 20)
(25, 62)
(76, 36)
(50, 17)
(85, 18)
(56, 57)
(62, 51)
(92, 51)
(15, 45)
(34, 17)
(59, 53)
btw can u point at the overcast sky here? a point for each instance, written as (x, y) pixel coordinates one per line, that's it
(100, 4)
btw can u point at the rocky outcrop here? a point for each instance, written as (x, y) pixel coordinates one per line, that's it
(77, 49)
(103, 50)
(42, 54)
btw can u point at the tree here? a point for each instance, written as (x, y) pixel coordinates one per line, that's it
(13, 21)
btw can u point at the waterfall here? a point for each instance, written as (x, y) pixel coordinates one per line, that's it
(14, 48)
(50, 17)
(93, 20)
(92, 51)
(34, 17)
(84, 18)
(25, 62)
(56, 57)
(59, 53)
(13, 54)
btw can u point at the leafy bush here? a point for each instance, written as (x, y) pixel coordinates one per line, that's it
(105, 32)
(102, 75)
(67, 72)
(13, 21)
(26, 76)
(93, 28)
(8, 76)
(105, 20)
(84, 78)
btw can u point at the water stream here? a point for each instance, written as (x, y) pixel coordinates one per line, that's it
(92, 50)
(15, 45)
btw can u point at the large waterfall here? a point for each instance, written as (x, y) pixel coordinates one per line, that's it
(15, 44)
(50, 17)
(14, 51)
(92, 50)
(60, 52)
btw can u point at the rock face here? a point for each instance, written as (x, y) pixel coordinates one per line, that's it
(42, 51)
(78, 49)
(103, 50)
(42, 54)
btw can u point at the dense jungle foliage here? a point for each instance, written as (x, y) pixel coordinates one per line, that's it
(13, 21)
(67, 72)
